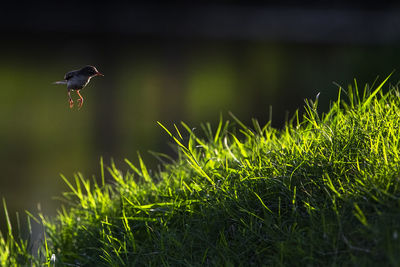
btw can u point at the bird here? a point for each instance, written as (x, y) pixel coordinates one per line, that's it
(77, 80)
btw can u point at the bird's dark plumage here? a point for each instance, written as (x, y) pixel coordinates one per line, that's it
(77, 80)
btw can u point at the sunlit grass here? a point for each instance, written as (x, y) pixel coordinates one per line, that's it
(322, 191)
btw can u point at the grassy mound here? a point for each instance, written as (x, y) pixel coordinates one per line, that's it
(322, 191)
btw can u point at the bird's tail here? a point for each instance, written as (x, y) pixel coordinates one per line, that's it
(60, 82)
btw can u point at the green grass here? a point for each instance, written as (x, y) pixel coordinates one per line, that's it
(323, 191)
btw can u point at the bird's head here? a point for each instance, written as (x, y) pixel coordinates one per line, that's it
(90, 71)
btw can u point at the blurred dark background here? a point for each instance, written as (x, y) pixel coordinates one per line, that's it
(167, 61)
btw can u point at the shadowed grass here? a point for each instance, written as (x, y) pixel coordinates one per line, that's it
(322, 191)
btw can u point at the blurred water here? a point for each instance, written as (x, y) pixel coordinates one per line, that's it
(148, 80)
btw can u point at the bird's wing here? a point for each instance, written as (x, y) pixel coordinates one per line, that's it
(69, 75)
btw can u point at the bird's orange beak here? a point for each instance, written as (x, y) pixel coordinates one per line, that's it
(99, 74)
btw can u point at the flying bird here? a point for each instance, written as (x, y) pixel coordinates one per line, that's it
(77, 80)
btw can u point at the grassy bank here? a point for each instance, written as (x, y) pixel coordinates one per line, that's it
(322, 191)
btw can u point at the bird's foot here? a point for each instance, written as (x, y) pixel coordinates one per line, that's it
(80, 103)
(71, 103)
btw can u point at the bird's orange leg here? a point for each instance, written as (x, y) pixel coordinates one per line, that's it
(80, 100)
(71, 102)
